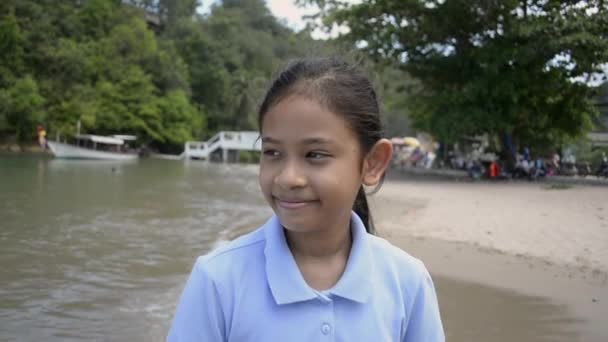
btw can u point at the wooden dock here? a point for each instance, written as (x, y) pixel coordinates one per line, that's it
(225, 146)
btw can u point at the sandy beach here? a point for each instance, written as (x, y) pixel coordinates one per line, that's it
(511, 261)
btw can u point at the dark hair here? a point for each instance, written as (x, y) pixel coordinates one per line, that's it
(342, 88)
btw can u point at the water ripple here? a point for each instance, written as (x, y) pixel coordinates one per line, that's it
(91, 254)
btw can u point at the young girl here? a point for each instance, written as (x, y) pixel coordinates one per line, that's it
(314, 271)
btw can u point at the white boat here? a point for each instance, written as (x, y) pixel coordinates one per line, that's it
(90, 146)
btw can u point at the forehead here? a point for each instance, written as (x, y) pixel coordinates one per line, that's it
(300, 117)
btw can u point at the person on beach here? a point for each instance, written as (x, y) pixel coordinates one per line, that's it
(41, 132)
(315, 271)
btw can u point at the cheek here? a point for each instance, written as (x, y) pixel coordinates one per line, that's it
(338, 183)
(265, 179)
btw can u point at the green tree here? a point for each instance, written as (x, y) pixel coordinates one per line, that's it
(11, 49)
(231, 55)
(21, 108)
(180, 120)
(96, 17)
(515, 67)
(100, 63)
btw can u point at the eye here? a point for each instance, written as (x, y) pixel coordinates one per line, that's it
(316, 155)
(271, 153)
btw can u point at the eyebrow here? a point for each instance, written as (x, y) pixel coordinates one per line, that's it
(307, 141)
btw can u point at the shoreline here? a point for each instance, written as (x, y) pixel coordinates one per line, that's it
(19, 149)
(439, 175)
(564, 226)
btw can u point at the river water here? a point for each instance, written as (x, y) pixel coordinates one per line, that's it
(95, 250)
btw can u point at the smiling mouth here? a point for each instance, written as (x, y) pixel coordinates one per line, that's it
(292, 204)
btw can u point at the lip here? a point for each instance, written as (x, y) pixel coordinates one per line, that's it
(292, 203)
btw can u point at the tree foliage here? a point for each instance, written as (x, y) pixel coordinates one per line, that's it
(517, 67)
(100, 62)
(22, 107)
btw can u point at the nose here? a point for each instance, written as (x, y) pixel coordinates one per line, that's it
(290, 176)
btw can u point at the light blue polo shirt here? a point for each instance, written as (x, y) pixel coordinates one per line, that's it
(252, 290)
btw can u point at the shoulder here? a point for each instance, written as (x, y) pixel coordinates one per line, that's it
(394, 263)
(233, 256)
(207, 301)
(387, 252)
(414, 288)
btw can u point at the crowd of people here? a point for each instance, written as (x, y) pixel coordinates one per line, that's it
(527, 167)
(480, 164)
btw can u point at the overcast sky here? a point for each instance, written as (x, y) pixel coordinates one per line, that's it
(287, 10)
(283, 9)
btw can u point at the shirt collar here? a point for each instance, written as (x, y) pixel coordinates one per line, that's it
(286, 282)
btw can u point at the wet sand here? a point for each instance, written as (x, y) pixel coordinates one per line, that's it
(511, 262)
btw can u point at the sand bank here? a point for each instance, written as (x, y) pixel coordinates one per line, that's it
(562, 226)
(511, 262)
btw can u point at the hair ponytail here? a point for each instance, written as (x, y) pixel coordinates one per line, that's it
(361, 208)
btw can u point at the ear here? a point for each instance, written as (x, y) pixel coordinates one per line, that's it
(376, 161)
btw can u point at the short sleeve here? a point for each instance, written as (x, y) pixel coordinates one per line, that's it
(199, 315)
(424, 323)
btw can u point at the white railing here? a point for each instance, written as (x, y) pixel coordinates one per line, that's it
(225, 140)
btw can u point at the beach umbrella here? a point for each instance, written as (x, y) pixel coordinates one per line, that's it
(397, 141)
(411, 141)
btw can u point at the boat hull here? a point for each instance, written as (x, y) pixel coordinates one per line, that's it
(61, 150)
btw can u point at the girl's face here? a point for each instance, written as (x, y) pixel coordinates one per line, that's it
(311, 165)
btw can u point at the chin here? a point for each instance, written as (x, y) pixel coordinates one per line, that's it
(298, 225)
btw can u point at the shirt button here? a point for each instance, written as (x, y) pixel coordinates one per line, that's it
(325, 328)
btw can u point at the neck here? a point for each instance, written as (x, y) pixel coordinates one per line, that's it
(321, 255)
(322, 244)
